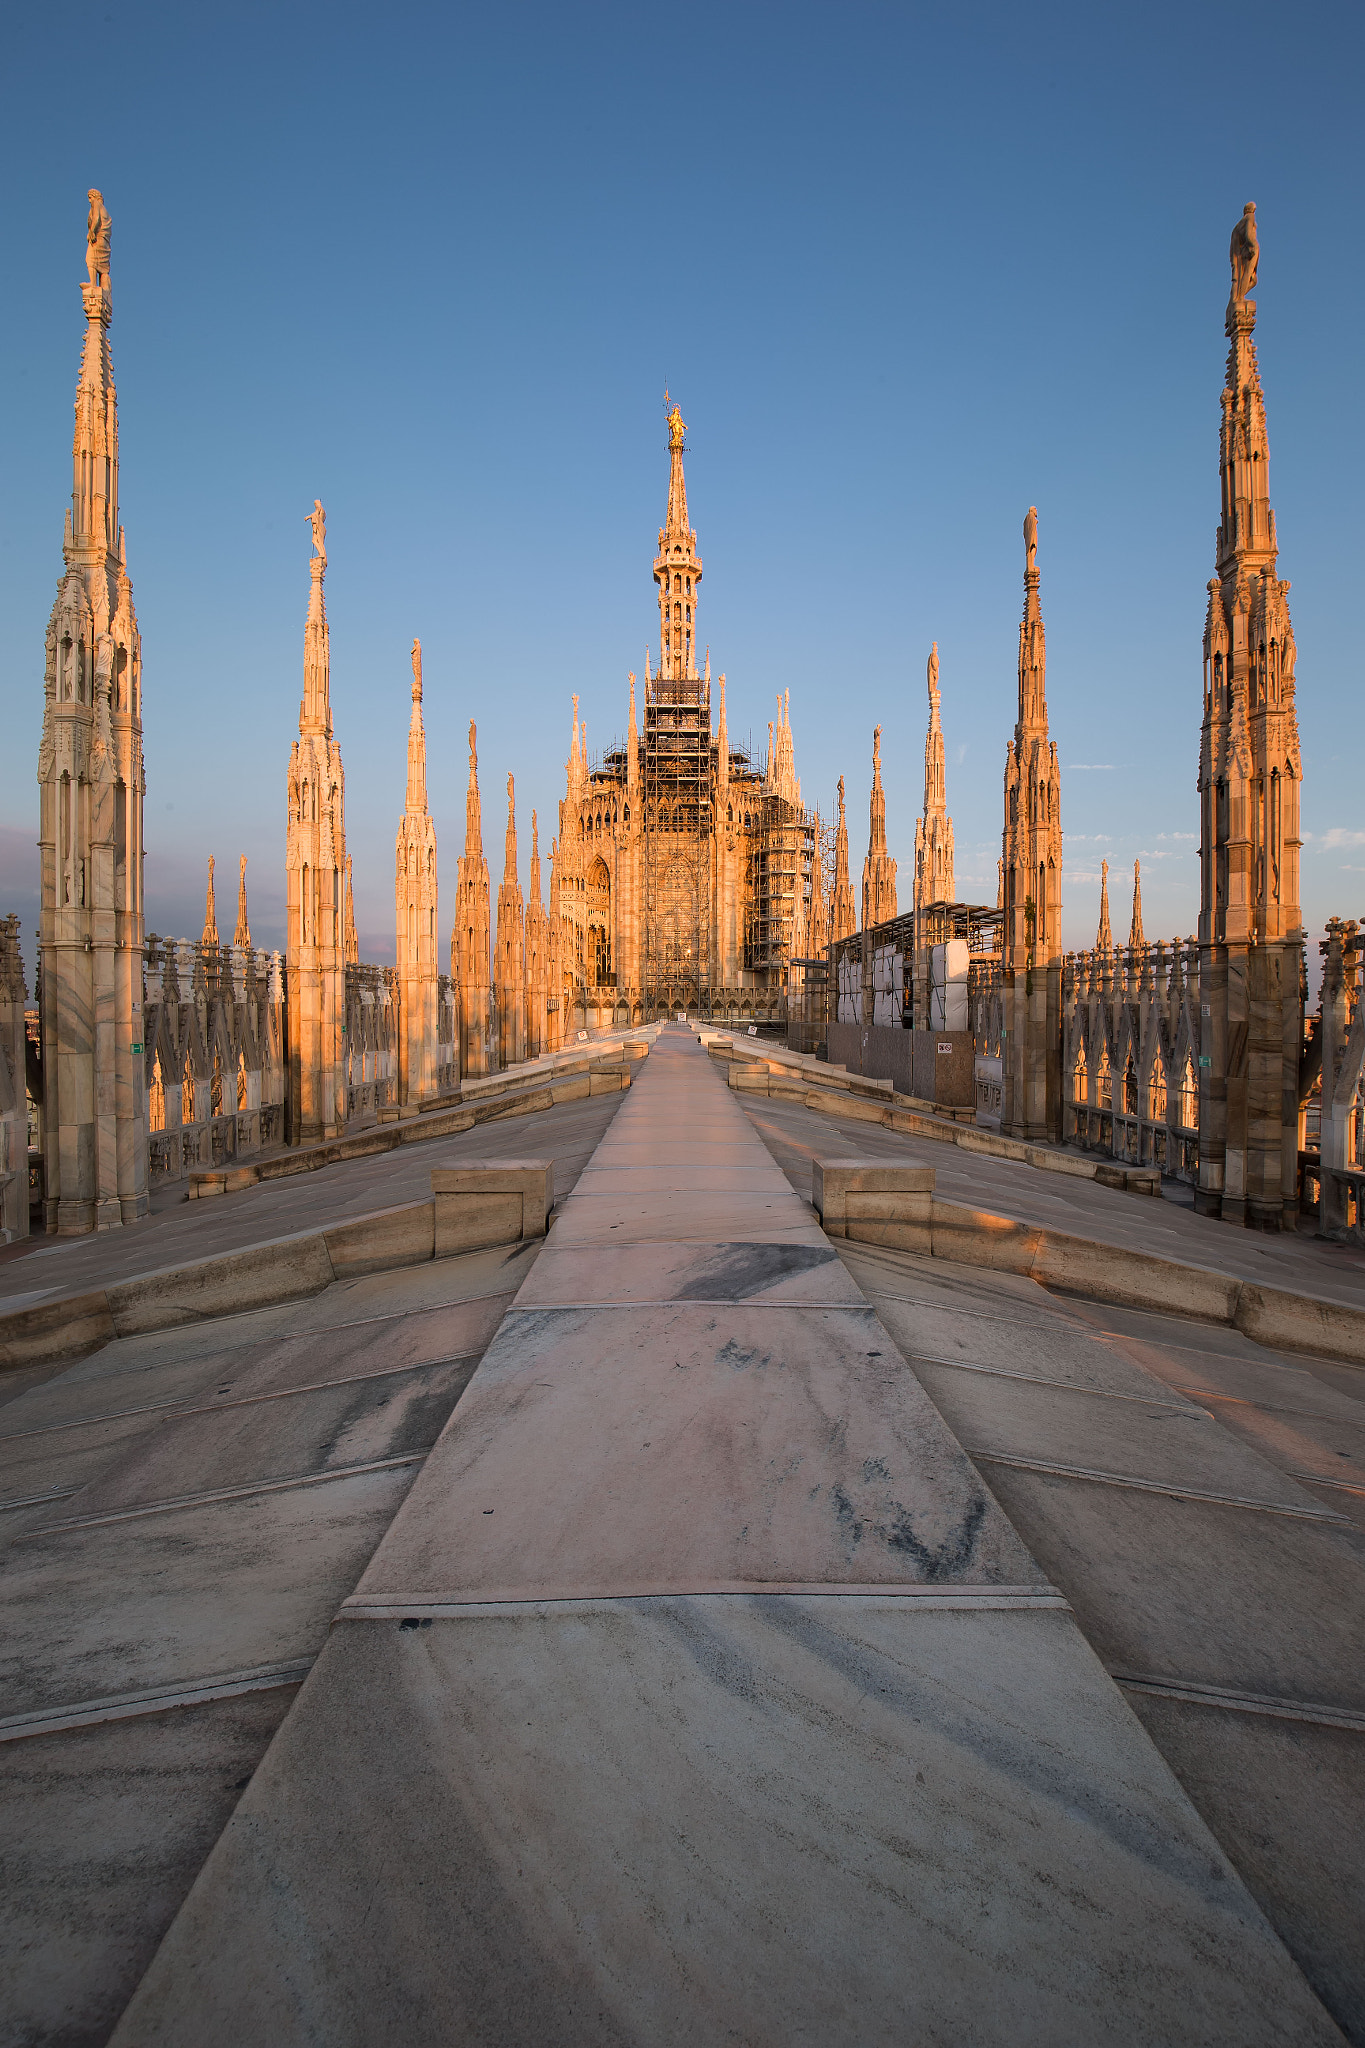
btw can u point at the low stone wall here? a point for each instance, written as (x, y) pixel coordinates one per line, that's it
(876, 1202)
(491, 1203)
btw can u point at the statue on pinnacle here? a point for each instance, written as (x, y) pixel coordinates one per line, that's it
(98, 230)
(1244, 253)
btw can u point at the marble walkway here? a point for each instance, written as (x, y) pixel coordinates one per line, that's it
(700, 1691)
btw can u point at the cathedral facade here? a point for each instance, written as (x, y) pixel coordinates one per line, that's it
(682, 874)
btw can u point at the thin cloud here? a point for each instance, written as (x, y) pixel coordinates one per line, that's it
(1089, 767)
(1339, 836)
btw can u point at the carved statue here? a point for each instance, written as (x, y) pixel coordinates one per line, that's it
(677, 427)
(1031, 538)
(511, 793)
(876, 750)
(1244, 253)
(933, 673)
(416, 671)
(97, 235)
(317, 519)
(473, 750)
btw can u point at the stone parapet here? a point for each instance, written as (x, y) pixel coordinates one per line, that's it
(872, 1202)
(848, 1194)
(491, 1201)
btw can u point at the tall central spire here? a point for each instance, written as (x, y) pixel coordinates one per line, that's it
(677, 567)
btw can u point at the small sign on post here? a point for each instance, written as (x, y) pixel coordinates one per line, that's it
(582, 1038)
(753, 1031)
(945, 1045)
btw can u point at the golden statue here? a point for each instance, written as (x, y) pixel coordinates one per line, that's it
(677, 427)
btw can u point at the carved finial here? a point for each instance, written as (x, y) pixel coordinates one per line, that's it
(242, 935)
(1135, 934)
(1031, 539)
(416, 671)
(210, 937)
(98, 232)
(1104, 938)
(1244, 253)
(317, 519)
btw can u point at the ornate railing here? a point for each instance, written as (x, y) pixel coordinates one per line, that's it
(1130, 1054)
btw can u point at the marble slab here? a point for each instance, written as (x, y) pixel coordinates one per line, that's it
(788, 1271)
(692, 1448)
(225, 1586)
(713, 1821)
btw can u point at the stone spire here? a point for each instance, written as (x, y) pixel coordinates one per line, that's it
(511, 948)
(1250, 779)
(351, 945)
(210, 932)
(315, 860)
(416, 805)
(415, 907)
(677, 568)
(315, 712)
(90, 773)
(242, 935)
(722, 755)
(1104, 937)
(1135, 937)
(843, 915)
(1033, 827)
(470, 962)
(879, 870)
(934, 856)
(537, 957)
(1250, 767)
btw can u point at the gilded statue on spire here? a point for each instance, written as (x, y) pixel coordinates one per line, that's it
(97, 235)
(677, 426)
(317, 519)
(1244, 253)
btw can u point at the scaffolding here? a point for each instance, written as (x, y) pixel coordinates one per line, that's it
(679, 840)
(781, 856)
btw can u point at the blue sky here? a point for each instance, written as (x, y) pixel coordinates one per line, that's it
(907, 271)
